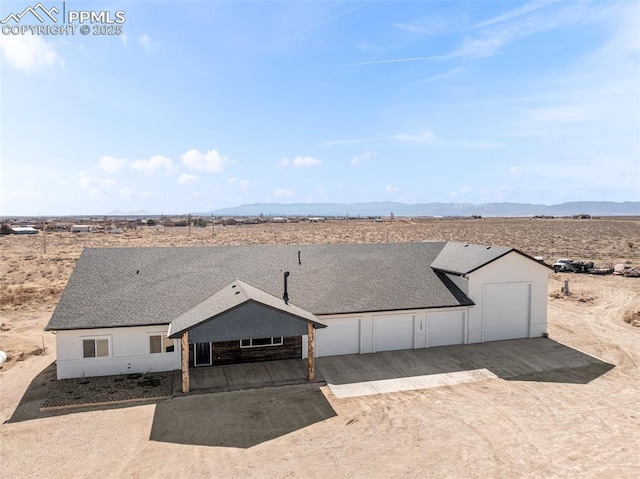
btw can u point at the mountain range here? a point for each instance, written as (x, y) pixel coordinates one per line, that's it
(386, 208)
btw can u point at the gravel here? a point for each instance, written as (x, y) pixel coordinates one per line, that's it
(105, 389)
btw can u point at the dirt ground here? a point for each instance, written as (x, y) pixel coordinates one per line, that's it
(494, 428)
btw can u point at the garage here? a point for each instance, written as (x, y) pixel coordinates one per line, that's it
(506, 310)
(341, 336)
(445, 328)
(394, 332)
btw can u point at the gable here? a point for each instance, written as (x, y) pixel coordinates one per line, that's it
(510, 268)
(248, 321)
(237, 305)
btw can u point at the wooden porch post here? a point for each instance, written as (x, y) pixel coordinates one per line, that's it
(185, 362)
(311, 359)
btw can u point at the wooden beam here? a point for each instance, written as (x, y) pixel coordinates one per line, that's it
(311, 359)
(185, 362)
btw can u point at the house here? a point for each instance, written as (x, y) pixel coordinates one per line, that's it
(128, 310)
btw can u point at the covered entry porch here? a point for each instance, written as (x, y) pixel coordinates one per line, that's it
(237, 377)
(248, 324)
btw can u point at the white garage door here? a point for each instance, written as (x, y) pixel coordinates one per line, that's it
(445, 328)
(341, 336)
(393, 332)
(505, 311)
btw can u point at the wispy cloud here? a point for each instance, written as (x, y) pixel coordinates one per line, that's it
(515, 13)
(29, 53)
(95, 186)
(185, 179)
(424, 137)
(242, 184)
(145, 41)
(432, 25)
(131, 193)
(283, 193)
(298, 162)
(462, 191)
(153, 165)
(365, 155)
(391, 189)
(489, 37)
(420, 136)
(111, 165)
(411, 59)
(211, 161)
(309, 28)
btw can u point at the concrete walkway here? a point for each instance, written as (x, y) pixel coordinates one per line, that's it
(384, 386)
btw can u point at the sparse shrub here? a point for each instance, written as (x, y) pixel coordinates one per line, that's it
(632, 317)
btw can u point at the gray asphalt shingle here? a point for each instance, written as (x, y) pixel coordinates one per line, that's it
(232, 296)
(113, 287)
(463, 258)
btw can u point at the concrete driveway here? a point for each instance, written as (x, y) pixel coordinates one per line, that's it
(538, 359)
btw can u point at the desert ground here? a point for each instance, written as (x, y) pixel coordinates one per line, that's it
(493, 428)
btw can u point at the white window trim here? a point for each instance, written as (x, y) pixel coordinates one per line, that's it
(251, 345)
(159, 333)
(96, 338)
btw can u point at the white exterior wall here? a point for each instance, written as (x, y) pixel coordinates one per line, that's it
(460, 282)
(128, 352)
(511, 268)
(367, 323)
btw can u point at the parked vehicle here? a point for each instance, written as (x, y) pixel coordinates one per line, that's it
(582, 266)
(605, 269)
(563, 264)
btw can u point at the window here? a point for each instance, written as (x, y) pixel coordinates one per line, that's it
(95, 348)
(254, 343)
(159, 343)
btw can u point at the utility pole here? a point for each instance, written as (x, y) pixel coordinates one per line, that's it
(189, 224)
(213, 226)
(44, 235)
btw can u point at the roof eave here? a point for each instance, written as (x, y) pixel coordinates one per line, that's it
(317, 323)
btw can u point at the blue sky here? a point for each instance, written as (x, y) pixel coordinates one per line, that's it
(203, 105)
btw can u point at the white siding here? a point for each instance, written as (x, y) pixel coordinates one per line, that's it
(512, 268)
(460, 282)
(128, 352)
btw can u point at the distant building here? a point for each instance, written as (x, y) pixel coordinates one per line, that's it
(81, 229)
(24, 230)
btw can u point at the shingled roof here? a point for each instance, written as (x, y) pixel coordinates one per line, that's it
(463, 258)
(232, 296)
(115, 287)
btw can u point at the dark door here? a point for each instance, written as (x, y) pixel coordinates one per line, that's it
(202, 354)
